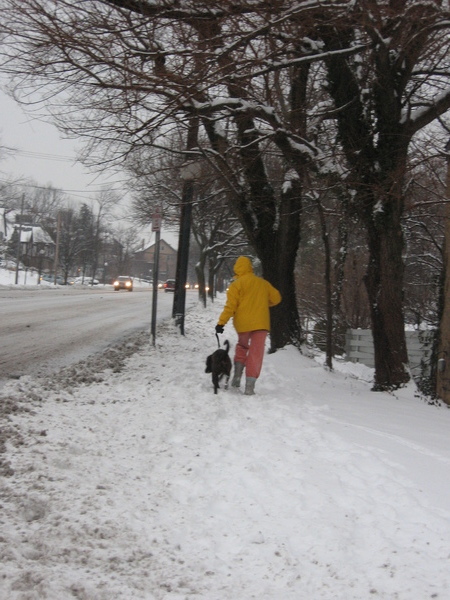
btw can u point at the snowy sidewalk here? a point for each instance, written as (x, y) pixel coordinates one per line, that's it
(144, 485)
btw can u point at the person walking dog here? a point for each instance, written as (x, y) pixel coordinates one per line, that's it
(249, 298)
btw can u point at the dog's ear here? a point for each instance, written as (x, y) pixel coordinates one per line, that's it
(208, 364)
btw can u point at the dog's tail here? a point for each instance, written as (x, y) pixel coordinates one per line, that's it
(227, 346)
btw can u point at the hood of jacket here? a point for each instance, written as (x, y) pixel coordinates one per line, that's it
(242, 266)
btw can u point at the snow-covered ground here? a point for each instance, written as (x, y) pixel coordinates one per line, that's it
(27, 278)
(128, 479)
(8, 278)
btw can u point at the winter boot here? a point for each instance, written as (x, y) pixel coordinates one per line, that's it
(250, 386)
(238, 370)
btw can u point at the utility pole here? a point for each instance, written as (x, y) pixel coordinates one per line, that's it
(19, 241)
(443, 363)
(58, 235)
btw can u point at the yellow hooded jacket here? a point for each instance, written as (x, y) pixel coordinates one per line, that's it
(249, 298)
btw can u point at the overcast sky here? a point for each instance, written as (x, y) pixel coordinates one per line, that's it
(43, 156)
(40, 154)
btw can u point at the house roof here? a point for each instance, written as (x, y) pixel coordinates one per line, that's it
(162, 242)
(33, 233)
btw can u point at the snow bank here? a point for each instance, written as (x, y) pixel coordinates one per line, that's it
(127, 478)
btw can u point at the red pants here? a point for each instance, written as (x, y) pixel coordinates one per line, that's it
(250, 351)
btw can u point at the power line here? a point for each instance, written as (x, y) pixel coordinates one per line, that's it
(46, 187)
(56, 158)
(41, 155)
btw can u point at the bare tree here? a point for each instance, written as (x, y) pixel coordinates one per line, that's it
(105, 200)
(155, 185)
(215, 227)
(70, 241)
(43, 203)
(118, 247)
(218, 234)
(141, 68)
(383, 98)
(247, 71)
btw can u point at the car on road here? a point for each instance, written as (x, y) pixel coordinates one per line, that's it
(51, 279)
(123, 282)
(169, 286)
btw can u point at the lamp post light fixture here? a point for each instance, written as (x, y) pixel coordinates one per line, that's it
(189, 172)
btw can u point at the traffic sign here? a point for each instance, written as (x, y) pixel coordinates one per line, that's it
(156, 221)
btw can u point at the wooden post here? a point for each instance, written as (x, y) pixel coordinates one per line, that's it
(19, 242)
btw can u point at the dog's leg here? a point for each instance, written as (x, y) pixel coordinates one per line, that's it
(215, 379)
(227, 377)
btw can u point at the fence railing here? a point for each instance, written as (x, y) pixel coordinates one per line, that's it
(359, 348)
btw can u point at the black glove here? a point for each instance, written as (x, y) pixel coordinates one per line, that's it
(219, 328)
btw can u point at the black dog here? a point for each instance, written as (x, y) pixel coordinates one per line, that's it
(219, 364)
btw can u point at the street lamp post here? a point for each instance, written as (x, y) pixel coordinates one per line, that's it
(189, 172)
(443, 367)
(156, 228)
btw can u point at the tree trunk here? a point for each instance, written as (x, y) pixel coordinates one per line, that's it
(285, 324)
(384, 283)
(272, 227)
(328, 287)
(211, 279)
(277, 250)
(200, 271)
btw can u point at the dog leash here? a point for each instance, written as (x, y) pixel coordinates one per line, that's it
(218, 343)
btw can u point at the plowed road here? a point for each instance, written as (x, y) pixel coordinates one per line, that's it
(48, 328)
